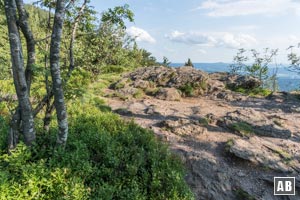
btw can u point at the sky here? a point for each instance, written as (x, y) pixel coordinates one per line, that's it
(211, 30)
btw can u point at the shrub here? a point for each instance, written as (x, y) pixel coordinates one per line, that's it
(256, 92)
(105, 158)
(187, 89)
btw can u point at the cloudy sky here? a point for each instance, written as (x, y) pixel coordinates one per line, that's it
(211, 30)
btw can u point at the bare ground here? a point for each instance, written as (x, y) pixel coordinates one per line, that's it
(213, 172)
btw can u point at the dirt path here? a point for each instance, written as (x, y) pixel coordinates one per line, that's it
(213, 173)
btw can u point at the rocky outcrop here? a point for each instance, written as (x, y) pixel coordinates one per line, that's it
(188, 80)
(246, 122)
(265, 153)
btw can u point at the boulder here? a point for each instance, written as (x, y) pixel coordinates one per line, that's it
(141, 84)
(248, 121)
(239, 81)
(236, 81)
(265, 153)
(169, 94)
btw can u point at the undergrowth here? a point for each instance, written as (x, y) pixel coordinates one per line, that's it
(105, 158)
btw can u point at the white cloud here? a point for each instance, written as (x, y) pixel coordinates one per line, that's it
(215, 39)
(223, 8)
(140, 35)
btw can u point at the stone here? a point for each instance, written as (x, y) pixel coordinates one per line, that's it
(236, 81)
(184, 127)
(169, 94)
(141, 84)
(260, 124)
(265, 153)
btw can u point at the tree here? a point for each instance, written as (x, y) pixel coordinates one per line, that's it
(166, 62)
(23, 114)
(258, 69)
(22, 120)
(189, 63)
(238, 62)
(57, 87)
(294, 60)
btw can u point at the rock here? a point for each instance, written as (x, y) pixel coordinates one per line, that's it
(190, 81)
(184, 127)
(241, 174)
(255, 122)
(169, 94)
(128, 91)
(265, 153)
(231, 96)
(246, 82)
(141, 84)
(122, 83)
(236, 81)
(153, 110)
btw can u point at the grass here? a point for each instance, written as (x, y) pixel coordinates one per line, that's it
(139, 94)
(256, 92)
(242, 128)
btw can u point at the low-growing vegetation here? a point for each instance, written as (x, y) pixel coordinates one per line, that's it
(242, 128)
(256, 92)
(105, 158)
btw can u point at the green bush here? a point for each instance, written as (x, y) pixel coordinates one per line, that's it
(252, 92)
(105, 158)
(187, 90)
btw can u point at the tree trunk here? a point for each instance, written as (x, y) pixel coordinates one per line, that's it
(19, 76)
(24, 25)
(48, 114)
(57, 88)
(73, 37)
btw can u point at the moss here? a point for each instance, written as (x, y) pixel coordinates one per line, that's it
(204, 121)
(277, 122)
(229, 144)
(285, 155)
(242, 128)
(243, 195)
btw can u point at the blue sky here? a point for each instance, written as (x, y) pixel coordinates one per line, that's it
(211, 30)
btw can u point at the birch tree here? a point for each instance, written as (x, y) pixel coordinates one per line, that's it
(23, 117)
(59, 102)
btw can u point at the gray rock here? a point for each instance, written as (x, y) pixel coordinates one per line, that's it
(169, 94)
(184, 127)
(258, 123)
(179, 78)
(236, 81)
(265, 153)
(141, 84)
